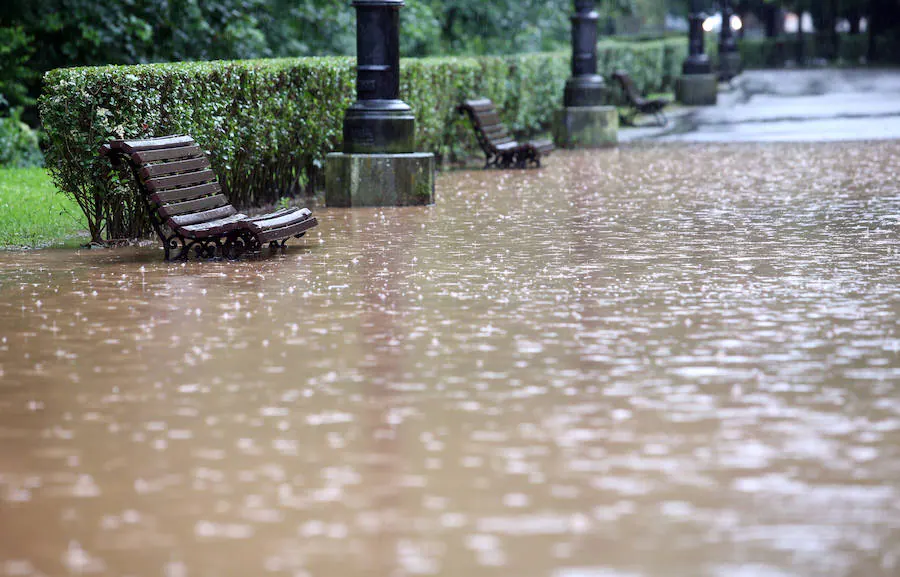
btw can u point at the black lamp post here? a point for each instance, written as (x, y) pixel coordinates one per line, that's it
(729, 59)
(585, 87)
(697, 61)
(726, 37)
(801, 42)
(378, 122)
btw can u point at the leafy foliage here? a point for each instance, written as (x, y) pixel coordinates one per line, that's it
(64, 33)
(772, 52)
(269, 123)
(15, 50)
(18, 142)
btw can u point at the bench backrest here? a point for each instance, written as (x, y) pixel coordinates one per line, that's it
(491, 132)
(628, 86)
(175, 177)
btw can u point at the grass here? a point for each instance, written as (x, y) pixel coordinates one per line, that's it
(34, 214)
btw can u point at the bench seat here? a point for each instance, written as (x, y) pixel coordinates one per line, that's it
(638, 104)
(186, 205)
(499, 147)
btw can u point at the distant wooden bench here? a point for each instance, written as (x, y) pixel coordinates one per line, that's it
(500, 148)
(639, 104)
(187, 208)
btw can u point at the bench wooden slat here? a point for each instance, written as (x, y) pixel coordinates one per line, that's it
(187, 193)
(281, 220)
(480, 104)
(278, 212)
(132, 146)
(166, 154)
(512, 144)
(486, 119)
(196, 205)
(496, 132)
(166, 168)
(288, 231)
(179, 180)
(193, 218)
(543, 145)
(216, 227)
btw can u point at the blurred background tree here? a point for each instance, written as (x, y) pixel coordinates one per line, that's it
(39, 35)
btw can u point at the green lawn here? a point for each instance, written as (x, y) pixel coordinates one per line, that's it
(34, 214)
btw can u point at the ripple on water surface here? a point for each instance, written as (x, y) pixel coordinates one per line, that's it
(639, 362)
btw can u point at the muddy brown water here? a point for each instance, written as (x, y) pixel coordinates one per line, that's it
(662, 361)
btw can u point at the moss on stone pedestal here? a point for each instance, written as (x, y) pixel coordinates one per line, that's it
(586, 127)
(379, 179)
(697, 89)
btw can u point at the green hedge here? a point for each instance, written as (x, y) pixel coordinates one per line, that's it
(268, 124)
(653, 65)
(773, 52)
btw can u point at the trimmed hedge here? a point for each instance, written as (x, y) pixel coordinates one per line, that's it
(653, 65)
(852, 49)
(268, 124)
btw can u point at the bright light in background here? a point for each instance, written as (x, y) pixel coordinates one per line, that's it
(714, 23)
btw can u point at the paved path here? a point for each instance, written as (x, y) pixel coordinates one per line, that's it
(792, 105)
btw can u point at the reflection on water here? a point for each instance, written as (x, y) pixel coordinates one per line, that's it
(643, 362)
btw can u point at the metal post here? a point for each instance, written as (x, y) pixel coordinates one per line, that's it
(729, 58)
(726, 37)
(585, 87)
(697, 61)
(378, 122)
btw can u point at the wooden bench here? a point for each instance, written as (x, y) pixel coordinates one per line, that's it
(186, 205)
(500, 148)
(638, 104)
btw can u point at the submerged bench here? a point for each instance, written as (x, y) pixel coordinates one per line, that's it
(500, 148)
(639, 104)
(186, 205)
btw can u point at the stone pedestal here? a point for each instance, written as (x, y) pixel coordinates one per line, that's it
(586, 127)
(697, 89)
(379, 179)
(729, 65)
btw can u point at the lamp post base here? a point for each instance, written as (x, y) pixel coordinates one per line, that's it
(379, 179)
(586, 127)
(729, 65)
(584, 91)
(373, 126)
(697, 89)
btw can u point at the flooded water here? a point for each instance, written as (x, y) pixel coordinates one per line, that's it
(669, 361)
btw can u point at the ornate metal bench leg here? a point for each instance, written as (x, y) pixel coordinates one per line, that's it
(176, 247)
(232, 247)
